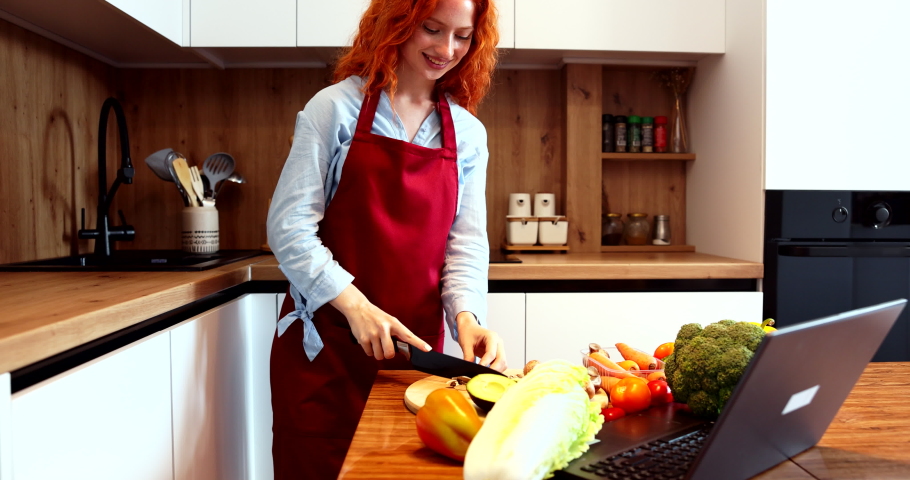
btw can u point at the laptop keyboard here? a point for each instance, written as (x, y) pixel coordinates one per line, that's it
(662, 459)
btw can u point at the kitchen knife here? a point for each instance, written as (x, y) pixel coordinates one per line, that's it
(440, 364)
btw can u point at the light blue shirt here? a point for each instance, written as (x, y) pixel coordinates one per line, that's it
(322, 138)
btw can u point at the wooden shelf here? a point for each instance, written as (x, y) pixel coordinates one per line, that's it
(625, 157)
(647, 248)
(535, 248)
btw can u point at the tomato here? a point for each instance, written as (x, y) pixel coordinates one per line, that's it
(612, 413)
(631, 395)
(660, 392)
(663, 351)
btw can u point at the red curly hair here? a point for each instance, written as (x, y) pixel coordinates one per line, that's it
(387, 24)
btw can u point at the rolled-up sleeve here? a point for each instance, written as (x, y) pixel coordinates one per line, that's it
(464, 280)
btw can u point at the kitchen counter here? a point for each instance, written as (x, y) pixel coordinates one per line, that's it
(867, 439)
(48, 313)
(598, 266)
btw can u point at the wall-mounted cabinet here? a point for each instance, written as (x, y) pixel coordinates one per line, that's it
(240, 23)
(693, 26)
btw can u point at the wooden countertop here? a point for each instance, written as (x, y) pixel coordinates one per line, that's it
(597, 266)
(868, 438)
(46, 313)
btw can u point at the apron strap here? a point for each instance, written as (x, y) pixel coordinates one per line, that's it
(449, 145)
(367, 113)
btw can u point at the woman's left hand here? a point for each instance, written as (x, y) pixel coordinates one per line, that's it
(476, 341)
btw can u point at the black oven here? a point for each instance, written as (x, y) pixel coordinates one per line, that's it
(831, 251)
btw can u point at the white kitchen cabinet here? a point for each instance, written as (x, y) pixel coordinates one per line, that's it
(6, 429)
(560, 325)
(506, 316)
(241, 23)
(221, 391)
(692, 26)
(333, 24)
(170, 18)
(107, 419)
(834, 102)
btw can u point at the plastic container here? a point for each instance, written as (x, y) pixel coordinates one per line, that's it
(521, 230)
(607, 138)
(647, 135)
(619, 130)
(660, 134)
(634, 134)
(553, 230)
(587, 361)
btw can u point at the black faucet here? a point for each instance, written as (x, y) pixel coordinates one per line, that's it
(104, 234)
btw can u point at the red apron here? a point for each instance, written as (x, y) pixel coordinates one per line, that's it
(387, 225)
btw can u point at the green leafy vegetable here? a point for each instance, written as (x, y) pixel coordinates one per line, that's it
(538, 426)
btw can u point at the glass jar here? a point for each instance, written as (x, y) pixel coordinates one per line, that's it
(637, 230)
(660, 134)
(611, 229)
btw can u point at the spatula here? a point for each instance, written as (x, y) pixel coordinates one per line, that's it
(217, 167)
(186, 181)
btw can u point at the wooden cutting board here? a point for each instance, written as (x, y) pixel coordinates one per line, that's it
(416, 394)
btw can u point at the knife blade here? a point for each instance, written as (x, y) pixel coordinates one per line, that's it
(440, 364)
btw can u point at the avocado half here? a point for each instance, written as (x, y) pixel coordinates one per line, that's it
(485, 389)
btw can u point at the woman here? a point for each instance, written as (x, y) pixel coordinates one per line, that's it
(379, 221)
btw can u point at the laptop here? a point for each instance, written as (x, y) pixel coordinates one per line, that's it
(789, 394)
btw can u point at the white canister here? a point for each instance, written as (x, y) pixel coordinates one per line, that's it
(520, 204)
(553, 230)
(521, 230)
(544, 205)
(200, 232)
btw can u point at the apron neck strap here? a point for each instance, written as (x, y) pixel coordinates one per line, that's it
(368, 113)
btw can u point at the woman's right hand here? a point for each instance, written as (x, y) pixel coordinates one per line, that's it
(372, 327)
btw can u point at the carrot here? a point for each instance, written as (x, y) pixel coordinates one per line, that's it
(614, 370)
(644, 361)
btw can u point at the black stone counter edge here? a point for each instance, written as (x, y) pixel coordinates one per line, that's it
(57, 364)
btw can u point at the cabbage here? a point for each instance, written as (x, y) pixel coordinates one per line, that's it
(538, 426)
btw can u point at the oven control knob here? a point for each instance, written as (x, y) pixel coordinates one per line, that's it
(880, 215)
(840, 214)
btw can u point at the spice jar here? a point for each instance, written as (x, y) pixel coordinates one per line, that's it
(634, 134)
(661, 230)
(637, 231)
(611, 229)
(619, 130)
(660, 134)
(647, 134)
(608, 133)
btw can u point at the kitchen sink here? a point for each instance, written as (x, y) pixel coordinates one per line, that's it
(134, 261)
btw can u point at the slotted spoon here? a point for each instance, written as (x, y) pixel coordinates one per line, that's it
(217, 167)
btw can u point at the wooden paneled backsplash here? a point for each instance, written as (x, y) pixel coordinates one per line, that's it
(51, 102)
(50, 97)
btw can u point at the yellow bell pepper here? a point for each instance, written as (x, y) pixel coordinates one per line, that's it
(766, 325)
(447, 423)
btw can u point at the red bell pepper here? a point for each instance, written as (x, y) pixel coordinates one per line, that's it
(447, 423)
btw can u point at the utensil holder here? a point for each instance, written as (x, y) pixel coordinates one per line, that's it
(200, 233)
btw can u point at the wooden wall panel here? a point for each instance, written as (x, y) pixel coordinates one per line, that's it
(524, 119)
(249, 113)
(583, 94)
(49, 105)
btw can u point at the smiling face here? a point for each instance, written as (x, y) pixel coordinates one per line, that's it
(439, 43)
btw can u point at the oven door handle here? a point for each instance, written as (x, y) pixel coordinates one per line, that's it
(842, 251)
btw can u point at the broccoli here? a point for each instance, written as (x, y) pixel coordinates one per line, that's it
(707, 363)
